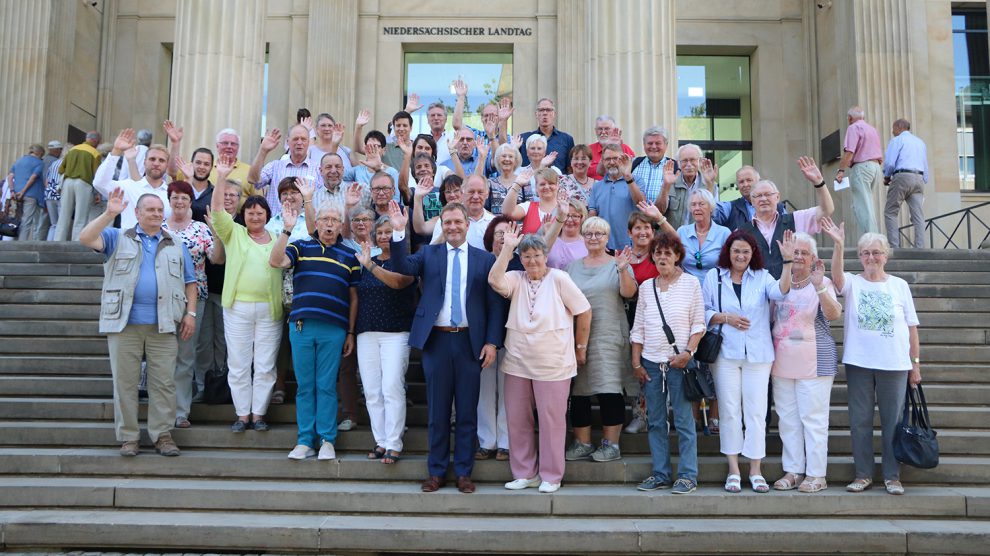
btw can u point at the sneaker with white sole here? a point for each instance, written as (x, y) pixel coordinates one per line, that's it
(547, 488)
(636, 426)
(606, 452)
(327, 452)
(520, 484)
(578, 451)
(302, 451)
(346, 425)
(653, 483)
(684, 486)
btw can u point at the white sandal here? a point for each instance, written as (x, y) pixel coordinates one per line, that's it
(733, 483)
(813, 484)
(759, 484)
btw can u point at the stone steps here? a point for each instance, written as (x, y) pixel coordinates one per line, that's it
(253, 463)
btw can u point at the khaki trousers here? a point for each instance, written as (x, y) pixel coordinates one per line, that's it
(126, 349)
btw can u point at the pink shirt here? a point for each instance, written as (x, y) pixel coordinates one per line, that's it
(804, 221)
(539, 335)
(863, 141)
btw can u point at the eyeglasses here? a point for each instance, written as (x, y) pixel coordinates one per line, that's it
(763, 196)
(573, 217)
(328, 220)
(697, 260)
(874, 254)
(544, 110)
(594, 235)
(361, 220)
(381, 189)
(499, 234)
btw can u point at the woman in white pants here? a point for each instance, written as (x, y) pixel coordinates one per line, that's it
(737, 294)
(383, 322)
(804, 364)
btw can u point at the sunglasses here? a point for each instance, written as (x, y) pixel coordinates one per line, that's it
(697, 260)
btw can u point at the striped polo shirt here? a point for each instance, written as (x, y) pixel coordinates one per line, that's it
(321, 281)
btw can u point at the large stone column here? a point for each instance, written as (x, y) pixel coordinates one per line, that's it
(24, 43)
(217, 71)
(331, 59)
(885, 84)
(619, 58)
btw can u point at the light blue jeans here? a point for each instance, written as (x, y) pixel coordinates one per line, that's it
(657, 398)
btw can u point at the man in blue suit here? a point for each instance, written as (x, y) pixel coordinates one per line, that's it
(459, 325)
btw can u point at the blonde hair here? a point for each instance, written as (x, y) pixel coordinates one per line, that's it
(596, 224)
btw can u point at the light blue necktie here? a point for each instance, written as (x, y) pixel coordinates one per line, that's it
(455, 290)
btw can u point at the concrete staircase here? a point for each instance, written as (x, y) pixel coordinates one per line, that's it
(63, 486)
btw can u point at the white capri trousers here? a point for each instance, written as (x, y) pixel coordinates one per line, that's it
(382, 361)
(252, 337)
(802, 409)
(742, 388)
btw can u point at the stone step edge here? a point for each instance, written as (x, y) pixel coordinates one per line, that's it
(406, 498)
(254, 531)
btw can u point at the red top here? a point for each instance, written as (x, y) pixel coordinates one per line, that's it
(596, 156)
(532, 222)
(645, 270)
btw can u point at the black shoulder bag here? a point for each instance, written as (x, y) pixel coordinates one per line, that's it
(711, 343)
(915, 441)
(698, 382)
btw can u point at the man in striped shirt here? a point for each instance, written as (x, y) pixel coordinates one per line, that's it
(266, 177)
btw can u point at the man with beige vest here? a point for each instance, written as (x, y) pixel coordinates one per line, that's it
(149, 295)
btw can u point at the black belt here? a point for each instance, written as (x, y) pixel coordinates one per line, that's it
(919, 172)
(453, 329)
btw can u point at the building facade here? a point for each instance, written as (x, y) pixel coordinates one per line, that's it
(752, 81)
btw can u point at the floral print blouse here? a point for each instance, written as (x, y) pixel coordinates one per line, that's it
(199, 242)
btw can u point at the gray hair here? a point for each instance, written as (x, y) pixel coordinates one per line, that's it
(93, 135)
(329, 206)
(686, 146)
(437, 104)
(767, 182)
(873, 237)
(360, 210)
(228, 131)
(751, 169)
(324, 116)
(548, 99)
(604, 118)
(532, 241)
(382, 220)
(706, 196)
(536, 138)
(144, 137)
(37, 149)
(803, 237)
(656, 130)
(507, 147)
(856, 112)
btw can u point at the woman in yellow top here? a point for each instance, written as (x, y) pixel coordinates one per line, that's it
(252, 305)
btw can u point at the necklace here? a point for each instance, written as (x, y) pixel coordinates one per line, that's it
(637, 258)
(258, 238)
(533, 286)
(800, 283)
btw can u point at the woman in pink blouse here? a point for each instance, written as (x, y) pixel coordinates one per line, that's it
(546, 315)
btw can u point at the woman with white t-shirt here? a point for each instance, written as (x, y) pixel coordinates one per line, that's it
(881, 352)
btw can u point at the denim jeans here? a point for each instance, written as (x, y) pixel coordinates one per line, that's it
(656, 411)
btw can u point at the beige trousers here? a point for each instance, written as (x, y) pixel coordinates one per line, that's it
(126, 349)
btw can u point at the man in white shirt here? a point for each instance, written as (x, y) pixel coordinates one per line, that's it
(475, 194)
(155, 163)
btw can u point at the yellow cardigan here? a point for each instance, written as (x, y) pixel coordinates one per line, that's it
(235, 242)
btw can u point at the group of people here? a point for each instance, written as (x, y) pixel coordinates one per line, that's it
(535, 275)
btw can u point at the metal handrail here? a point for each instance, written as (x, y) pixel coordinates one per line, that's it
(966, 216)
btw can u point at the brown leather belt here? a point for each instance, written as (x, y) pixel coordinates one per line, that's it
(450, 328)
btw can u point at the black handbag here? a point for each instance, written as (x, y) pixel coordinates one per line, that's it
(216, 390)
(10, 220)
(915, 441)
(711, 343)
(698, 381)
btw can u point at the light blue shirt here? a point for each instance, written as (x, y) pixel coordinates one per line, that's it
(275, 225)
(612, 201)
(469, 165)
(754, 345)
(708, 252)
(906, 152)
(144, 306)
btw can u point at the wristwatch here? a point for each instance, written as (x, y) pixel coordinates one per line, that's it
(691, 352)
(916, 360)
(191, 314)
(287, 232)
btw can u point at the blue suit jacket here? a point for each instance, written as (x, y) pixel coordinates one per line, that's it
(486, 310)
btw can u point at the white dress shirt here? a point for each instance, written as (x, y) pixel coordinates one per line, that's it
(104, 184)
(443, 319)
(475, 233)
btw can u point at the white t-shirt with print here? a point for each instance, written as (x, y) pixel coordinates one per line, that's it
(877, 317)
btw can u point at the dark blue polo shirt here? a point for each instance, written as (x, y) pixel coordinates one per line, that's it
(321, 281)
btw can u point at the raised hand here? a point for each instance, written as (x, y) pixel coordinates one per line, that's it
(623, 258)
(563, 200)
(174, 133)
(271, 140)
(424, 187)
(352, 196)
(364, 254)
(186, 166)
(625, 165)
(490, 123)
(511, 238)
(709, 171)
(505, 109)
(405, 147)
(413, 104)
(131, 154)
(289, 217)
(460, 88)
(398, 216)
(337, 135)
(452, 147)
(126, 139)
(373, 157)
(810, 170)
(649, 209)
(225, 165)
(669, 174)
(837, 233)
(614, 136)
(818, 273)
(307, 123)
(208, 218)
(363, 118)
(116, 202)
(548, 159)
(524, 176)
(306, 187)
(516, 141)
(483, 147)
(787, 246)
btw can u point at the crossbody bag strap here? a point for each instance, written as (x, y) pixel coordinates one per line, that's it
(666, 328)
(720, 302)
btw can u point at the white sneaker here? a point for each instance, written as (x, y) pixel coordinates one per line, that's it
(520, 484)
(327, 452)
(635, 426)
(301, 451)
(346, 425)
(547, 488)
